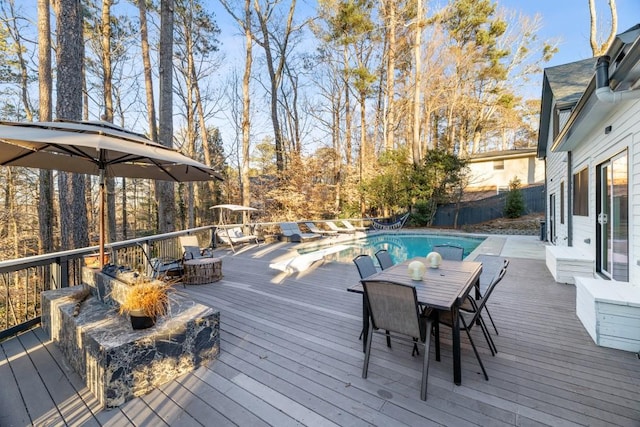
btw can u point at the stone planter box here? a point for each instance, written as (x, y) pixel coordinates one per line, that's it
(109, 290)
(119, 363)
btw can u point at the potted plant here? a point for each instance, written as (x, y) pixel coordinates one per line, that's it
(145, 301)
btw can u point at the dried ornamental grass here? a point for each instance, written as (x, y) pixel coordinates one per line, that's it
(150, 298)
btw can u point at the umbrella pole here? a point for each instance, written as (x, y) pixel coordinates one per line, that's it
(101, 222)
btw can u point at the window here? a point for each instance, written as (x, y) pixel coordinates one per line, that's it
(498, 164)
(562, 202)
(581, 193)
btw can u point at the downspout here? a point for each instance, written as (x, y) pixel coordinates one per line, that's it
(546, 202)
(569, 199)
(603, 90)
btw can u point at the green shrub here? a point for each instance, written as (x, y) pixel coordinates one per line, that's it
(514, 205)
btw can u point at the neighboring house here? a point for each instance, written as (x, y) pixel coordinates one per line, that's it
(589, 138)
(494, 170)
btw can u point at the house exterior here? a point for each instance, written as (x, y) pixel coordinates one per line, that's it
(494, 170)
(589, 138)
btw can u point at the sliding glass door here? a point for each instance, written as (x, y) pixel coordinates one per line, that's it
(613, 218)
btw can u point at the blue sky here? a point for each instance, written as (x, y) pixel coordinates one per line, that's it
(568, 21)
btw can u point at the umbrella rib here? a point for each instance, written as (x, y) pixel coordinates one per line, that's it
(71, 152)
(164, 170)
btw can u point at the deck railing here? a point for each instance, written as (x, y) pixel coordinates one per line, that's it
(22, 280)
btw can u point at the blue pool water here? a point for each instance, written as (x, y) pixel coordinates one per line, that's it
(400, 246)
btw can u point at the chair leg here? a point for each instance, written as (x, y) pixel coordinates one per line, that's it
(487, 336)
(475, 350)
(436, 334)
(388, 339)
(425, 363)
(365, 366)
(490, 318)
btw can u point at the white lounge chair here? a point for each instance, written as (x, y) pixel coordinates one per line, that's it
(350, 226)
(234, 235)
(314, 229)
(334, 227)
(291, 232)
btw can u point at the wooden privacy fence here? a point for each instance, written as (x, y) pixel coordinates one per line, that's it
(477, 211)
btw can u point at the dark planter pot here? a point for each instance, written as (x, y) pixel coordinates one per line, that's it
(141, 322)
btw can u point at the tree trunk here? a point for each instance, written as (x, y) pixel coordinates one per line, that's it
(190, 112)
(246, 105)
(417, 155)
(347, 111)
(70, 54)
(12, 214)
(275, 73)
(45, 201)
(363, 146)
(164, 190)
(389, 117)
(146, 62)
(204, 135)
(108, 112)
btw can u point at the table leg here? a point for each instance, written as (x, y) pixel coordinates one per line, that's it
(478, 296)
(455, 332)
(365, 322)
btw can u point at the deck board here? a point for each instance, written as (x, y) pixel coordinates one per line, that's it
(290, 355)
(12, 408)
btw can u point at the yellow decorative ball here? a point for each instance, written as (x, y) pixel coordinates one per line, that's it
(434, 259)
(416, 270)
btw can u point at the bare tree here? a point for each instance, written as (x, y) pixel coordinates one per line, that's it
(245, 23)
(11, 24)
(596, 47)
(276, 56)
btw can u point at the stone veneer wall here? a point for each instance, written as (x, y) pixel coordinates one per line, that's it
(107, 289)
(119, 363)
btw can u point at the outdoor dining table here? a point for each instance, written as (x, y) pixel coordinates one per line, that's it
(442, 288)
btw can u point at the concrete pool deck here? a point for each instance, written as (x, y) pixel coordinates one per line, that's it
(528, 247)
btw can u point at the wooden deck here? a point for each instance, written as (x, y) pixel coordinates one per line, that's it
(290, 355)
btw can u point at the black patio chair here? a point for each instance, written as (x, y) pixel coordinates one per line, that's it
(365, 265)
(162, 268)
(394, 308)
(492, 267)
(366, 268)
(468, 319)
(384, 259)
(449, 252)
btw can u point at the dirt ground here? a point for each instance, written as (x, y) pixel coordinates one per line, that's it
(525, 225)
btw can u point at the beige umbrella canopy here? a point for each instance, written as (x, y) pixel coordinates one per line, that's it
(96, 148)
(229, 209)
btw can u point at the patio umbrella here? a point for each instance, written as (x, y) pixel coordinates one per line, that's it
(231, 208)
(95, 148)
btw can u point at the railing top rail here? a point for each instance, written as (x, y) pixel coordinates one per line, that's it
(37, 260)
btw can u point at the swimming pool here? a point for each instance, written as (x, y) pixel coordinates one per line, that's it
(400, 246)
